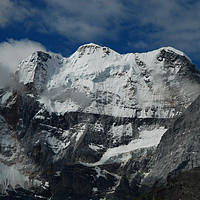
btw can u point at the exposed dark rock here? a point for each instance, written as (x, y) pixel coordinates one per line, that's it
(184, 186)
(178, 150)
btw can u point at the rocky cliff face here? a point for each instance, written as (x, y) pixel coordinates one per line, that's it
(182, 186)
(88, 126)
(178, 150)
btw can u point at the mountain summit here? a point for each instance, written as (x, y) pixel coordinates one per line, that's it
(93, 125)
(98, 80)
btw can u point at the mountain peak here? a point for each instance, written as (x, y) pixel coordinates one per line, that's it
(38, 55)
(92, 110)
(176, 51)
(124, 81)
(92, 48)
(89, 45)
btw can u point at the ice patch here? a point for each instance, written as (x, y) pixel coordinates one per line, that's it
(39, 117)
(94, 189)
(100, 172)
(58, 173)
(118, 131)
(80, 133)
(146, 139)
(9, 175)
(56, 144)
(95, 147)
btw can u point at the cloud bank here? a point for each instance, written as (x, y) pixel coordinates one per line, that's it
(14, 11)
(140, 25)
(12, 53)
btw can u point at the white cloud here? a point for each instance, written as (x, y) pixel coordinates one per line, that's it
(12, 53)
(176, 23)
(13, 11)
(84, 20)
(171, 22)
(156, 23)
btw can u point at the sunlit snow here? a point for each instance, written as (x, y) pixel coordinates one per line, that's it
(99, 80)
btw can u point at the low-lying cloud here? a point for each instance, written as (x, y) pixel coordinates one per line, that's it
(12, 52)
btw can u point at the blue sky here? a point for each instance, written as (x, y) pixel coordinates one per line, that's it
(61, 26)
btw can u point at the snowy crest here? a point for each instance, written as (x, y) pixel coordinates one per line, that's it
(99, 80)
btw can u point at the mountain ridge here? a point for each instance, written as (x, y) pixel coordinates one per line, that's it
(97, 77)
(89, 126)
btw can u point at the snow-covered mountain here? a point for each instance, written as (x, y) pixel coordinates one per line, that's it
(98, 80)
(87, 126)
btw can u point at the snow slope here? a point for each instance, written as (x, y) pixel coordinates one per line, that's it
(147, 139)
(99, 80)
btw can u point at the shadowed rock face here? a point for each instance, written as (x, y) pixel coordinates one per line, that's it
(183, 186)
(90, 152)
(80, 182)
(178, 150)
(49, 150)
